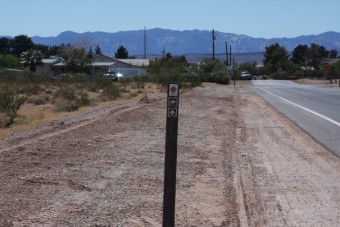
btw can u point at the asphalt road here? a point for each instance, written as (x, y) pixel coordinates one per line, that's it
(314, 109)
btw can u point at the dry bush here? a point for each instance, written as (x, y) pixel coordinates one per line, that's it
(62, 105)
(10, 102)
(48, 91)
(162, 88)
(110, 92)
(133, 94)
(145, 99)
(39, 99)
(35, 116)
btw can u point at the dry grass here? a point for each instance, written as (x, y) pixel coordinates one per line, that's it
(240, 82)
(30, 116)
(40, 107)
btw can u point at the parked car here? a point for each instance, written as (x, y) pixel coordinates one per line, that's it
(111, 75)
(245, 76)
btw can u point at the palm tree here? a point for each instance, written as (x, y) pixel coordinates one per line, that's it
(32, 58)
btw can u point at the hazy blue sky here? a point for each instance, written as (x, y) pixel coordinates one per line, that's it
(257, 18)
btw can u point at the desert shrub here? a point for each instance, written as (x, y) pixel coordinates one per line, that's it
(98, 83)
(214, 71)
(102, 82)
(73, 107)
(39, 100)
(111, 92)
(61, 105)
(10, 103)
(280, 75)
(66, 93)
(140, 81)
(299, 74)
(84, 101)
(167, 69)
(125, 81)
(133, 94)
(48, 91)
(66, 99)
(29, 88)
(219, 77)
(193, 78)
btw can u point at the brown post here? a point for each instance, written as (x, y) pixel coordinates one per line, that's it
(170, 155)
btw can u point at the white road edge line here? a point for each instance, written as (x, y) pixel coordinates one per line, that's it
(304, 108)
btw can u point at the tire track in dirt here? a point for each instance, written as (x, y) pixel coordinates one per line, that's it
(66, 129)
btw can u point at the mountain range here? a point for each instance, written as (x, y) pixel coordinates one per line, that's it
(183, 42)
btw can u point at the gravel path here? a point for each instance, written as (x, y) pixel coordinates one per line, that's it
(240, 163)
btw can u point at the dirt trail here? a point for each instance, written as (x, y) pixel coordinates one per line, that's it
(240, 163)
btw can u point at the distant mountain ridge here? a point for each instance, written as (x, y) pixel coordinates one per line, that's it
(184, 42)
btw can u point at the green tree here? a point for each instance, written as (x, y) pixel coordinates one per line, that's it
(316, 54)
(90, 53)
(76, 59)
(21, 43)
(335, 69)
(5, 46)
(98, 51)
(55, 50)
(248, 66)
(32, 58)
(333, 53)
(9, 61)
(121, 53)
(300, 54)
(43, 49)
(275, 58)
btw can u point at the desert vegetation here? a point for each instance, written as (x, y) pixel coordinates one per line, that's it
(80, 86)
(72, 91)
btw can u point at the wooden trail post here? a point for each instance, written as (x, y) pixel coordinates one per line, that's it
(170, 155)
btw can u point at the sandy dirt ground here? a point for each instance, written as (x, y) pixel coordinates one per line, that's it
(240, 163)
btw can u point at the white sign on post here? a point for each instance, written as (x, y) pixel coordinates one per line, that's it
(173, 93)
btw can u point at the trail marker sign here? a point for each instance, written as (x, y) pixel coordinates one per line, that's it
(170, 155)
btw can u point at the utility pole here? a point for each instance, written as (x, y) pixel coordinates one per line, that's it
(226, 53)
(230, 56)
(144, 42)
(213, 43)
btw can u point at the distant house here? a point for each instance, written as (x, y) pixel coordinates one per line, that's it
(47, 67)
(129, 67)
(134, 63)
(100, 64)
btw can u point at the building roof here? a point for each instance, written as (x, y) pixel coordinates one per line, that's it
(135, 62)
(50, 61)
(103, 58)
(103, 63)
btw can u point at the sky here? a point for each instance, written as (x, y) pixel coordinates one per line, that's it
(255, 18)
